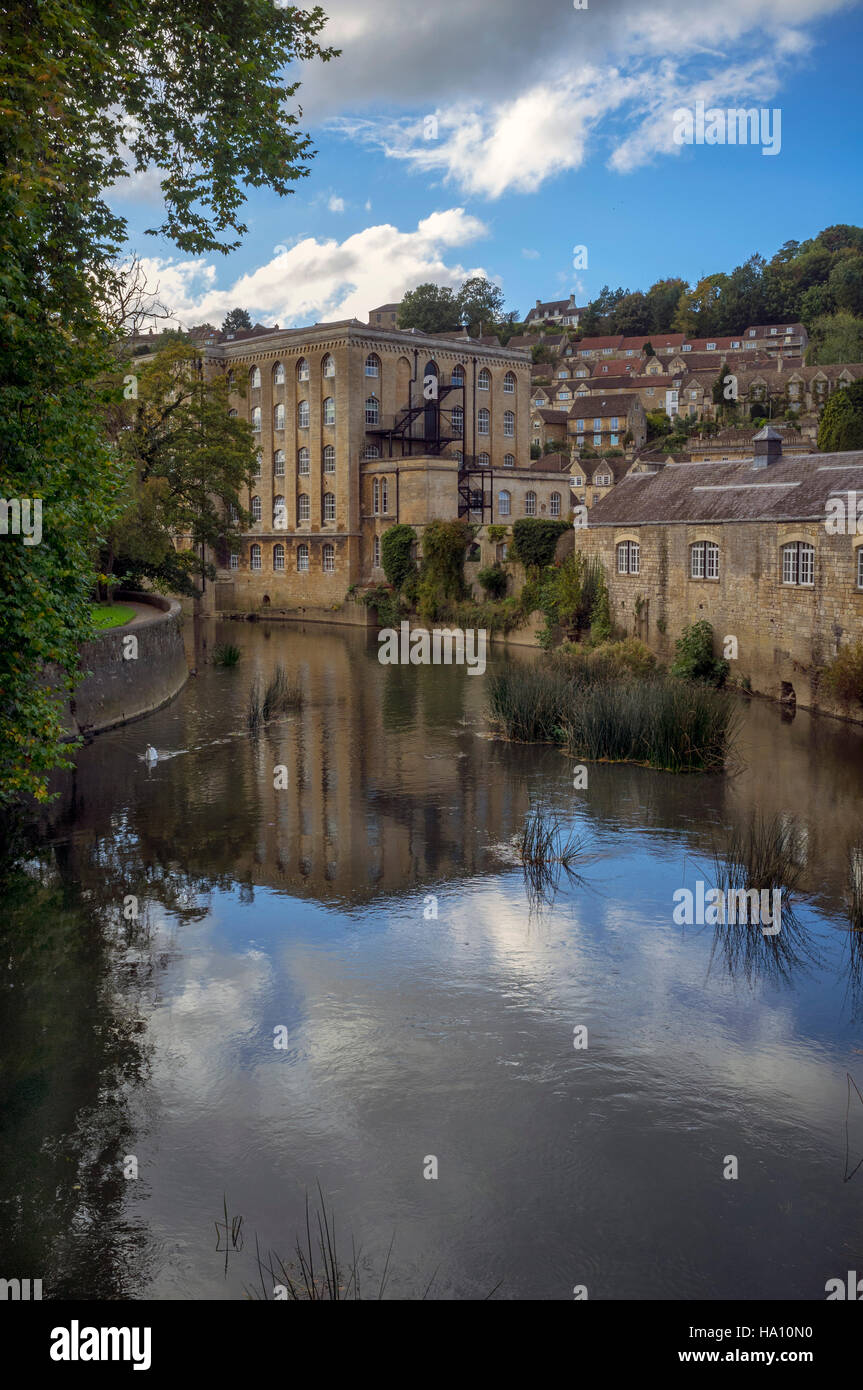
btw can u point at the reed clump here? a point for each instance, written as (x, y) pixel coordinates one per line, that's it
(267, 702)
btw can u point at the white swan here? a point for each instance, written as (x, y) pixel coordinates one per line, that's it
(151, 756)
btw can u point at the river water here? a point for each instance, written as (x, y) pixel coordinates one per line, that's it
(146, 1043)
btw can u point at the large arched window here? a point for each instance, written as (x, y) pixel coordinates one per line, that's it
(371, 451)
(278, 417)
(628, 557)
(329, 559)
(508, 424)
(373, 365)
(255, 378)
(278, 556)
(509, 383)
(255, 557)
(256, 509)
(504, 502)
(704, 560)
(329, 458)
(303, 415)
(279, 378)
(329, 506)
(303, 559)
(458, 420)
(554, 504)
(483, 381)
(303, 373)
(304, 507)
(256, 419)
(279, 463)
(373, 410)
(304, 462)
(329, 411)
(798, 563)
(328, 366)
(483, 421)
(280, 516)
(457, 376)
(530, 504)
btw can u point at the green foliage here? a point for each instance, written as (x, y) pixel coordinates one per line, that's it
(480, 305)
(387, 602)
(842, 678)
(397, 545)
(430, 309)
(237, 321)
(535, 539)
(835, 338)
(494, 580)
(609, 660)
(536, 450)
(841, 423)
(694, 659)
(105, 615)
(442, 581)
(497, 533)
(226, 654)
(658, 424)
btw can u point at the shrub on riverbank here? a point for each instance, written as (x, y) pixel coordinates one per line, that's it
(843, 676)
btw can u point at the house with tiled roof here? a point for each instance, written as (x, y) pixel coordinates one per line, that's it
(600, 422)
(562, 311)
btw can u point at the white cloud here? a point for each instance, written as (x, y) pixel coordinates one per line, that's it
(336, 204)
(530, 255)
(315, 280)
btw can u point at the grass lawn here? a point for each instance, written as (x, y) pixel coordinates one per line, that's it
(111, 615)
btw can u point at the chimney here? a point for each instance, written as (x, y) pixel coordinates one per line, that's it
(538, 302)
(768, 447)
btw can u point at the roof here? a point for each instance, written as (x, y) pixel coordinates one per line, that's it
(592, 344)
(553, 306)
(790, 489)
(605, 405)
(615, 366)
(552, 417)
(385, 309)
(552, 463)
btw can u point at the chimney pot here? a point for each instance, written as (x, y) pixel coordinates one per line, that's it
(768, 447)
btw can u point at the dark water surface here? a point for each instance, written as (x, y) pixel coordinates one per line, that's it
(410, 1036)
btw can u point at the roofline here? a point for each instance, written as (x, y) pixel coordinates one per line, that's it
(353, 329)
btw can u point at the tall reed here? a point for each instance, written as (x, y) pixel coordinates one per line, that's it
(268, 702)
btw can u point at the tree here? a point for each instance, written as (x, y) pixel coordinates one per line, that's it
(237, 321)
(841, 423)
(846, 284)
(479, 302)
(836, 338)
(429, 308)
(91, 92)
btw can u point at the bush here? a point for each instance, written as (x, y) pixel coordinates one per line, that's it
(610, 660)
(387, 602)
(843, 677)
(694, 659)
(226, 654)
(494, 580)
(534, 540)
(397, 545)
(441, 581)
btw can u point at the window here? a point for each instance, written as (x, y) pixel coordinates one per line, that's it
(530, 504)
(256, 420)
(711, 347)
(303, 559)
(483, 421)
(580, 440)
(576, 482)
(329, 506)
(234, 512)
(329, 559)
(384, 496)
(613, 440)
(255, 378)
(376, 497)
(232, 414)
(564, 395)
(483, 381)
(303, 415)
(554, 504)
(504, 500)
(597, 423)
(279, 379)
(376, 553)
(230, 381)
(628, 557)
(304, 507)
(328, 366)
(508, 424)
(256, 509)
(303, 370)
(371, 451)
(561, 376)
(509, 383)
(373, 410)
(798, 563)
(255, 557)
(329, 459)
(373, 365)
(860, 567)
(259, 463)
(234, 562)
(278, 417)
(329, 408)
(509, 460)
(279, 463)
(579, 425)
(484, 461)
(457, 376)
(704, 560)
(602, 480)
(458, 420)
(304, 462)
(597, 440)
(615, 422)
(280, 516)
(278, 557)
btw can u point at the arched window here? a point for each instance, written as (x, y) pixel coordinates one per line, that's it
(255, 378)
(256, 419)
(509, 383)
(376, 497)
(329, 506)
(704, 560)
(280, 516)
(373, 410)
(304, 462)
(329, 559)
(530, 504)
(279, 379)
(259, 463)
(256, 509)
(484, 461)
(232, 414)
(508, 424)
(329, 458)
(503, 503)
(303, 370)
(628, 557)
(385, 493)
(279, 463)
(371, 451)
(230, 381)
(329, 411)
(798, 563)
(278, 417)
(483, 421)
(328, 366)
(255, 557)
(554, 504)
(483, 381)
(376, 553)
(278, 556)
(457, 420)
(373, 365)
(303, 559)
(304, 507)
(457, 376)
(234, 512)
(303, 415)
(509, 460)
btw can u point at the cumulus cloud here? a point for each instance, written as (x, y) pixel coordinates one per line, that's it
(336, 204)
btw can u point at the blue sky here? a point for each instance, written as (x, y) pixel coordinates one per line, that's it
(554, 128)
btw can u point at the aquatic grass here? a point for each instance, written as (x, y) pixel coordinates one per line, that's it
(548, 851)
(267, 702)
(854, 885)
(226, 654)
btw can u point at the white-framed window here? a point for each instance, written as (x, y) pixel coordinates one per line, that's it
(798, 563)
(483, 381)
(376, 553)
(329, 458)
(504, 502)
(628, 557)
(279, 463)
(576, 482)
(508, 424)
(373, 365)
(580, 440)
(256, 509)
(232, 414)
(376, 497)
(458, 420)
(329, 411)
(304, 507)
(564, 395)
(483, 421)
(457, 375)
(329, 559)
(530, 504)
(711, 347)
(279, 375)
(509, 383)
(615, 422)
(234, 512)
(561, 376)
(278, 556)
(860, 567)
(302, 559)
(230, 381)
(234, 561)
(256, 419)
(303, 416)
(597, 422)
(303, 373)
(280, 515)
(278, 417)
(373, 410)
(255, 557)
(329, 506)
(704, 560)
(259, 464)
(509, 460)
(328, 366)
(255, 378)
(371, 451)
(597, 440)
(304, 462)
(602, 480)
(484, 461)
(579, 425)
(554, 504)
(385, 496)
